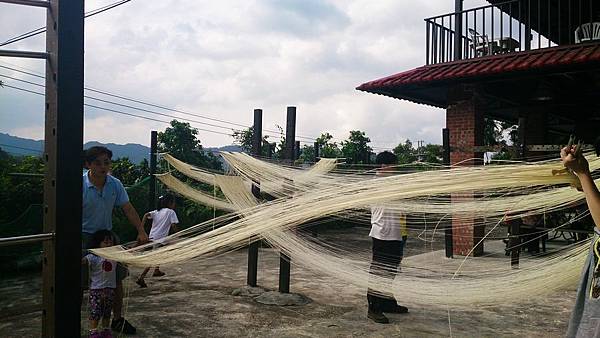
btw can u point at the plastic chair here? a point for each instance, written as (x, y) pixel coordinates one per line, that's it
(481, 44)
(587, 32)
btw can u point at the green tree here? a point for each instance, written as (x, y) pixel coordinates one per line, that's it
(356, 148)
(180, 140)
(432, 153)
(327, 148)
(307, 154)
(18, 192)
(494, 133)
(128, 172)
(405, 152)
(243, 138)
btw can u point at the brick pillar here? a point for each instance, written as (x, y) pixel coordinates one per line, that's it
(464, 119)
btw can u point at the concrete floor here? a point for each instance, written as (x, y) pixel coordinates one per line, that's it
(194, 300)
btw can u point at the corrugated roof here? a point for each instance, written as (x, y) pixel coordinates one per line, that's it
(413, 84)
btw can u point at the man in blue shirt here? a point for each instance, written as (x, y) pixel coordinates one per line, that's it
(101, 193)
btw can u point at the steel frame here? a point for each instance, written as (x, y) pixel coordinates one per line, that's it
(61, 263)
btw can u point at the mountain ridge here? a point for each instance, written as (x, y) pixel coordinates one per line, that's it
(135, 152)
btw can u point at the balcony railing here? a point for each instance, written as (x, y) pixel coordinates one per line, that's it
(511, 26)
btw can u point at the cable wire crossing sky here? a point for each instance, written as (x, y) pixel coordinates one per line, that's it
(211, 63)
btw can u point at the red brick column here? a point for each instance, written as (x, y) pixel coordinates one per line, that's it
(465, 123)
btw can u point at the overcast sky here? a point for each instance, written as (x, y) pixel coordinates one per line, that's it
(222, 59)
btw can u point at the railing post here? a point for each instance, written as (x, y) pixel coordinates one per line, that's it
(61, 314)
(528, 25)
(458, 7)
(251, 279)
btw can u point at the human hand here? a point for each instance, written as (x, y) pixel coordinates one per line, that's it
(404, 239)
(573, 159)
(142, 237)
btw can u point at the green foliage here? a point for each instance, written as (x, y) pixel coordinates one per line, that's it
(307, 154)
(180, 140)
(405, 152)
(494, 135)
(129, 173)
(18, 192)
(328, 149)
(243, 138)
(356, 148)
(279, 149)
(430, 153)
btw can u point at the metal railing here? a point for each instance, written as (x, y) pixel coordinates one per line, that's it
(508, 27)
(20, 240)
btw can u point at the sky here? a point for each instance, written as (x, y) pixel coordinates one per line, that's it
(222, 59)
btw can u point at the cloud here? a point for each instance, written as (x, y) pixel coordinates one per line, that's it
(222, 59)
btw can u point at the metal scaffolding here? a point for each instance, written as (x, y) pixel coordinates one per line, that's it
(62, 155)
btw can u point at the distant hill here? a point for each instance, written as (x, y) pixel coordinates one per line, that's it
(232, 148)
(135, 152)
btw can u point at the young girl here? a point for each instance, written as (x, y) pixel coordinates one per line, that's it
(103, 281)
(163, 220)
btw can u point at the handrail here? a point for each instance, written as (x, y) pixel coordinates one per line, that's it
(20, 240)
(470, 10)
(34, 3)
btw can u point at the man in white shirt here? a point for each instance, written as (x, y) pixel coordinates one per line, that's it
(388, 233)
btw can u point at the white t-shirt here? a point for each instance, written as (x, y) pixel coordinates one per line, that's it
(386, 224)
(161, 223)
(103, 272)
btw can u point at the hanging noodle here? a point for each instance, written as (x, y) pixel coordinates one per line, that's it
(480, 194)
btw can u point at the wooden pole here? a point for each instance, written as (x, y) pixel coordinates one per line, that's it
(514, 240)
(152, 182)
(448, 230)
(61, 263)
(256, 151)
(290, 136)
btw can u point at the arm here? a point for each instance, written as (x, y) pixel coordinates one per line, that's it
(144, 219)
(174, 227)
(592, 195)
(579, 165)
(134, 219)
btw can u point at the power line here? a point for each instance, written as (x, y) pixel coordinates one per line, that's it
(274, 133)
(43, 29)
(24, 72)
(125, 106)
(116, 111)
(119, 104)
(22, 148)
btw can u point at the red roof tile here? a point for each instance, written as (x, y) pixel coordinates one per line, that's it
(482, 67)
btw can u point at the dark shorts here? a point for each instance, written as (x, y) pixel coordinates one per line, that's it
(86, 239)
(101, 303)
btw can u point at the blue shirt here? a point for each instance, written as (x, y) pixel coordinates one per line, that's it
(98, 204)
